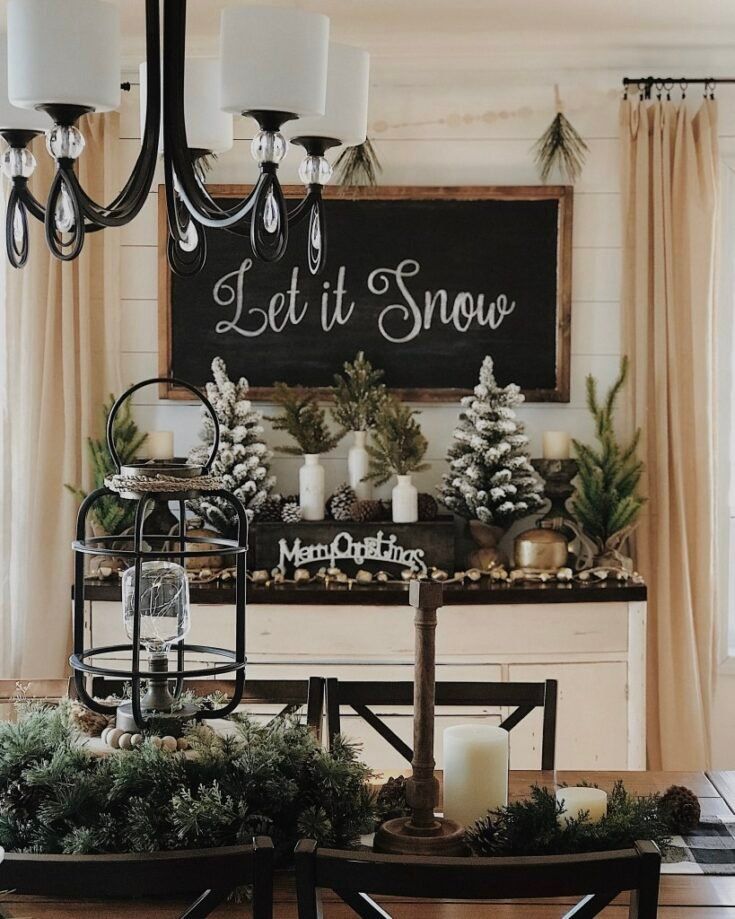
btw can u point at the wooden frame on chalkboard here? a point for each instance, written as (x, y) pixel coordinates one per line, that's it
(561, 193)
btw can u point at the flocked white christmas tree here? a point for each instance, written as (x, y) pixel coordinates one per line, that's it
(243, 459)
(490, 475)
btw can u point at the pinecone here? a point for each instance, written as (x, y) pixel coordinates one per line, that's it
(428, 508)
(391, 801)
(681, 809)
(291, 512)
(340, 504)
(89, 722)
(365, 511)
(270, 509)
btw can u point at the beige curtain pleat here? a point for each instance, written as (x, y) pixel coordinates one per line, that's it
(670, 195)
(61, 331)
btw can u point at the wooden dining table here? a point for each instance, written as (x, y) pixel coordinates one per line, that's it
(682, 896)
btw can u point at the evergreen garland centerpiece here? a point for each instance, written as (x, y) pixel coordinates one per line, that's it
(398, 449)
(607, 504)
(358, 395)
(306, 422)
(243, 459)
(58, 797)
(532, 826)
(490, 480)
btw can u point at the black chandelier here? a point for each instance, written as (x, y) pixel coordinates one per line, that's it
(276, 65)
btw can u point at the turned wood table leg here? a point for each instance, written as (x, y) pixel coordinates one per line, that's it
(423, 833)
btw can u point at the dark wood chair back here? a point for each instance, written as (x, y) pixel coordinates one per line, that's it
(211, 874)
(293, 695)
(596, 877)
(523, 697)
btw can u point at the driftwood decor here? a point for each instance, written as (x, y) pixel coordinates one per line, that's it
(426, 281)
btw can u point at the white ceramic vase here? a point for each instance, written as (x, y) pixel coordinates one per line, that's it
(405, 501)
(311, 488)
(357, 466)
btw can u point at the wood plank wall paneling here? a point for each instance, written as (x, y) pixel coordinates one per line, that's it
(453, 134)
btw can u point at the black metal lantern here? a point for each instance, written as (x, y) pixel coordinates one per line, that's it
(155, 586)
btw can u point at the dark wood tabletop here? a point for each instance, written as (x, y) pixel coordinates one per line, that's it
(682, 896)
(468, 593)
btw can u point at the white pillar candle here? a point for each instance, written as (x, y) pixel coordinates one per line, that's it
(475, 771)
(160, 445)
(579, 800)
(555, 445)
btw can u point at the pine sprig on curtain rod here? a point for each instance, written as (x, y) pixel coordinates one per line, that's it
(358, 165)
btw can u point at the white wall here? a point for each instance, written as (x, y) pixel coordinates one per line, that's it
(426, 135)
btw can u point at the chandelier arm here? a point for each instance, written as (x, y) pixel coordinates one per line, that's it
(34, 207)
(303, 208)
(31, 203)
(129, 202)
(175, 145)
(69, 250)
(317, 236)
(16, 244)
(182, 262)
(269, 244)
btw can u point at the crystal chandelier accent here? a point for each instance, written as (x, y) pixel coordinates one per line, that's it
(275, 65)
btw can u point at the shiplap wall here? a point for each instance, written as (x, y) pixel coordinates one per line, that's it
(425, 135)
(464, 131)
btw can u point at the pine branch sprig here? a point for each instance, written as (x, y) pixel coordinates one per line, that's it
(606, 503)
(304, 420)
(358, 165)
(560, 147)
(358, 395)
(112, 515)
(398, 446)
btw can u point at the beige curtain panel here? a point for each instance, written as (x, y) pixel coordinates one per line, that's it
(670, 199)
(60, 321)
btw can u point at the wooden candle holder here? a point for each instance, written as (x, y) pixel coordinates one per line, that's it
(423, 833)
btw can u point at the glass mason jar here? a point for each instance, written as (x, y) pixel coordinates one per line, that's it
(164, 604)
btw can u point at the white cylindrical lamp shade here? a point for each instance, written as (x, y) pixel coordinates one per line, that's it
(12, 117)
(475, 771)
(273, 60)
(64, 52)
(346, 113)
(207, 126)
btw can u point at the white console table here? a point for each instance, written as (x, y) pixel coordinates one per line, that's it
(592, 639)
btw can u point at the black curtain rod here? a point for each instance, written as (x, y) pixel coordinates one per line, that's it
(662, 81)
(644, 85)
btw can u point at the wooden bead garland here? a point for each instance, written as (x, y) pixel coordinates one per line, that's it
(124, 740)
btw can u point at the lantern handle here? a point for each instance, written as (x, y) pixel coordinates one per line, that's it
(154, 380)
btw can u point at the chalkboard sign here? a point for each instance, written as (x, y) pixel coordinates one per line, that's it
(425, 281)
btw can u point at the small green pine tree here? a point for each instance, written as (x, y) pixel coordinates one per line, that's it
(358, 395)
(607, 504)
(112, 515)
(304, 420)
(398, 446)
